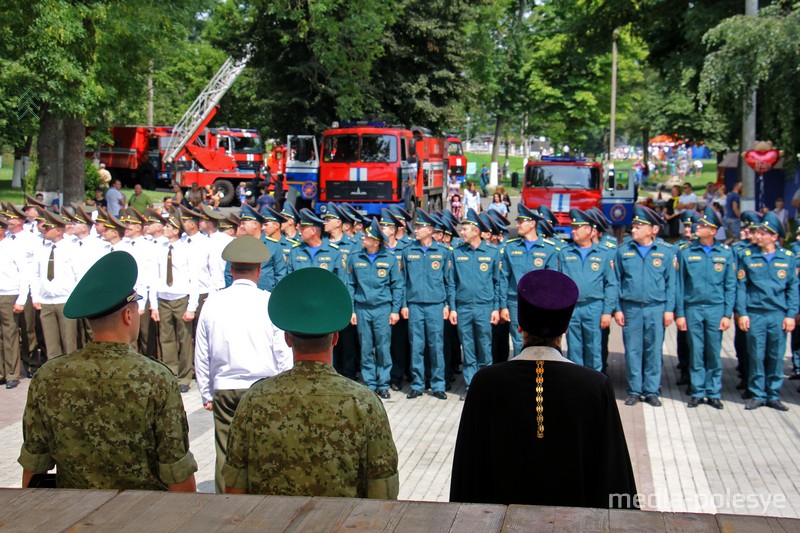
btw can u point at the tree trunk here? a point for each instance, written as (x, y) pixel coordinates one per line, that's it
(498, 128)
(74, 160)
(646, 145)
(22, 156)
(51, 165)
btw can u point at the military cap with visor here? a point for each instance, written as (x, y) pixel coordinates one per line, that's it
(30, 201)
(106, 287)
(114, 223)
(710, 218)
(548, 215)
(154, 217)
(544, 228)
(11, 211)
(473, 218)
(271, 215)
(389, 219)
(423, 219)
(50, 219)
(246, 249)
(498, 218)
(643, 215)
(580, 218)
(248, 213)
(373, 230)
(290, 212)
(750, 218)
(211, 214)
(308, 218)
(525, 213)
(773, 224)
(604, 224)
(310, 302)
(690, 216)
(489, 225)
(332, 211)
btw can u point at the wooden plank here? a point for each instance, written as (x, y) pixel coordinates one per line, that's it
(127, 507)
(375, 515)
(322, 514)
(428, 516)
(273, 513)
(689, 522)
(622, 520)
(221, 512)
(755, 524)
(480, 518)
(581, 519)
(49, 509)
(526, 518)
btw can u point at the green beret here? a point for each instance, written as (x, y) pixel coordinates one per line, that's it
(246, 249)
(106, 287)
(311, 301)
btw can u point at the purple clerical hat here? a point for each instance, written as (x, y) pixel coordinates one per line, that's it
(546, 300)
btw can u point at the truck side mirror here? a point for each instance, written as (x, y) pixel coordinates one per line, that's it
(610, 182)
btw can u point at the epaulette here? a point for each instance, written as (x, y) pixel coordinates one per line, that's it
(610, 245)
(788, 252)
(270, 239)
(334, 246)
(514, 239)
(548, 241)
(725, 246)
(748, 252)
(683, 246)
(296, 245)
(292, 241)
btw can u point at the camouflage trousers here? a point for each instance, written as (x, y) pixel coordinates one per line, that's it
(224, 406)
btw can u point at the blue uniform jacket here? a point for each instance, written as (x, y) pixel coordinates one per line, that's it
(377, 282)
(517, 261)
(648, 280)
(327, 257)
(429, 275)
(705, 279)
(767, 285)
(476, 273)
(595, 277)
(272, 271)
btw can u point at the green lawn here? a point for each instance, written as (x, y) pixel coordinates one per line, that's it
(7, 194)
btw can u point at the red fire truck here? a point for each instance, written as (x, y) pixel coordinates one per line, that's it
(455, 156)
(296, 165)
(563, 183)
(372, 165)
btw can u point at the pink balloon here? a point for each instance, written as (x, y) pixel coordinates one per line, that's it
(761, 162)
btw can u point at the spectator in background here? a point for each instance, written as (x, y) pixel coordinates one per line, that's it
(241, 191)
(672, 213)
(105, 176)
(721, 235)
(711, 190)
(168, 207)
(456, 206)
(687, 200)
(213, 197)
(498, 205)
(506, 199)
(139, 200)
(453, 187)
(720, 195)
(732, 213)
(781, 213)
(114, 198)
(265, 199)
(484, 180)
(99, 200)
(177, 195)
(472, 198)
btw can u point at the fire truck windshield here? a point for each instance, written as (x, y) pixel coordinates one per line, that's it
(247, 145)
(562, 176)
(454, 149)
(373, 149)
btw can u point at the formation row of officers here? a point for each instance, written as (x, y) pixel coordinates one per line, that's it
(417, 299)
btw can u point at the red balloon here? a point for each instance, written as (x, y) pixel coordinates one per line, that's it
(761, 162)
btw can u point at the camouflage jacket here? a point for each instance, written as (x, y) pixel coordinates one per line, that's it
(311, 432)
(109, 418)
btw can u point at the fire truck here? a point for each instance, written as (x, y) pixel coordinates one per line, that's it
(373, 165)
(222, 158)
(296, 165)
(456, 159)
(137, 153)
(563, 183)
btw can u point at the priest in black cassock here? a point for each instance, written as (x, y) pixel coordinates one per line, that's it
(539, 429)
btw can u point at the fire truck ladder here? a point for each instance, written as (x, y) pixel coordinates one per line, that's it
(205, 103)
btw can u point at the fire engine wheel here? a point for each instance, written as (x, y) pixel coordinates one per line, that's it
(227, 190)
(411, 207)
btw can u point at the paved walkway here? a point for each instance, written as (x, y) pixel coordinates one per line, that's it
(695, 460)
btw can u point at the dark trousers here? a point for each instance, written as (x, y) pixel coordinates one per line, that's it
(500, 346)
(147, 344)
(346, 352)
(9, 338)
(401, 350)
(32, 351)
(223, 407)
(740, 346)
(452, 350)
(606, 335)
(176, 338)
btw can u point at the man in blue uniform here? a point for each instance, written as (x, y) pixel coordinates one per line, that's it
(748, 238)
(429, 294)
(604, 238)
(376, 285)
(706, 292)
(646, 270)
(275, 268)
(689, 219)
(521, 255)
(767, 302)
(476, 274)
(313, 250)
(400, 347)
(592, 270)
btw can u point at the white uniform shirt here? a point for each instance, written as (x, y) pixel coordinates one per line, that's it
(237, 344)
(14, 269)
(90, 249)
(199, 247)
(65, 273)
(216, 264)
(183, 283)
(144, 252)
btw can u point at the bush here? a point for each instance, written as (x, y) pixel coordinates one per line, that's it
(91, 179)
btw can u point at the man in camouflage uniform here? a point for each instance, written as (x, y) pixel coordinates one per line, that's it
(124, 426)
(310, 431)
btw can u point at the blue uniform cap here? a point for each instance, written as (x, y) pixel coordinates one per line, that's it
(353, 214)
(332, 211)
(423, 219)
(710, 218)
(290, 212)
(438, 222)
(498, 218)
(451, 217)
(750, 218)
(270, 214)
(450, 227)
(690, 216)
(525, 213)
(543, 227)
(388, 218)
(248, 213)
(643, 215)
(773, 224)
(548, 215)
(473, 218)
(546, 299)
(308, 218)
(490, 224)
(374, 231)
(400, 213)
(604, 224)
(579, 218)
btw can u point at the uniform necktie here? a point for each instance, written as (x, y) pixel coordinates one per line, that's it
(169, 267)
(51, 264)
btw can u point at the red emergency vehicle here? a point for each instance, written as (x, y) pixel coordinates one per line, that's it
(372, 165)
(563, 183)
(134, 156)
(456, 159)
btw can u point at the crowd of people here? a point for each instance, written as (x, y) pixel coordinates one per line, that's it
(422, 307)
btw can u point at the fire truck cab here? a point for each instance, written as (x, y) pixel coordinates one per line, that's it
(457, 161)
(563, 183)
(372, 165)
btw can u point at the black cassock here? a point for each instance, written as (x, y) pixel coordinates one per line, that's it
(581, 459)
